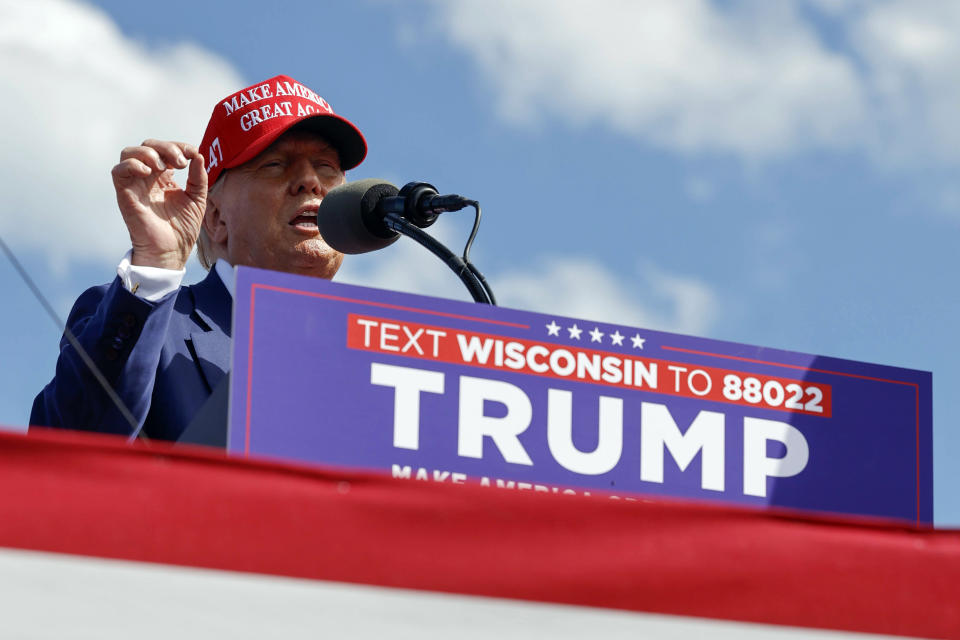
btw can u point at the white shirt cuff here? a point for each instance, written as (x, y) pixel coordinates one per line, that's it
(149, 283)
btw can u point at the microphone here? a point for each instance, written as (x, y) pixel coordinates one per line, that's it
(351, 216)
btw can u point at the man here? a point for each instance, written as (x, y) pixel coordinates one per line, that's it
(270, 153)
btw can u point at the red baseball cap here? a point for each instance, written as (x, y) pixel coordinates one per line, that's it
(247, 122)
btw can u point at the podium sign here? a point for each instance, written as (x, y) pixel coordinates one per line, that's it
(446, 391)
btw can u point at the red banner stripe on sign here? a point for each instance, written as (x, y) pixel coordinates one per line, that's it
(578, 364)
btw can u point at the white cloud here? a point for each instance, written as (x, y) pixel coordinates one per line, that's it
(911, 53)
(755, 79)
(75, 92)
(572, 286)
(583, 288)
(681, 74)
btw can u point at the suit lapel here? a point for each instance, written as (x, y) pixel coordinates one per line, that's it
(213, 305)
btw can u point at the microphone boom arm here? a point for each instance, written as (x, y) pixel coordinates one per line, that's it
(401, 225)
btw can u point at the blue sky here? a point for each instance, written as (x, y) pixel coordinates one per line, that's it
(781, 174)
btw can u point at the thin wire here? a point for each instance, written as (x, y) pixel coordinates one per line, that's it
(91, 365)
(473, 233)
(466, 253)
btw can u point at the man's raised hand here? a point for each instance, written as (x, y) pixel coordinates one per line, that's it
(163, 219)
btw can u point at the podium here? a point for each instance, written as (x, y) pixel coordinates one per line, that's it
(424, 388)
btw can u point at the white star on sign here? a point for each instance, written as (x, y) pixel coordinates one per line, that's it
(596, 335)
(553, 329)
(616, 339)
(637, 341)
(575, 332)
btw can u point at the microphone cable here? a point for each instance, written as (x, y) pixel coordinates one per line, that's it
(466, 252)
(135, 430)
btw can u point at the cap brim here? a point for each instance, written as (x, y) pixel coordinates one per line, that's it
(339, 132)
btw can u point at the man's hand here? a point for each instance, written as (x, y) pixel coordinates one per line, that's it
(163, 219)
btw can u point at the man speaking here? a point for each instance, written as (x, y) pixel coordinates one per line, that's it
(270, 153)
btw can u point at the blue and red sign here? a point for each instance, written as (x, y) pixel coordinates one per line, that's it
(447, 391)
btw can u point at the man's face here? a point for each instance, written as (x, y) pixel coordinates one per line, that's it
(268, 207)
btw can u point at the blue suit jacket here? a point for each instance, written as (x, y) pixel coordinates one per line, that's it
(162, 358)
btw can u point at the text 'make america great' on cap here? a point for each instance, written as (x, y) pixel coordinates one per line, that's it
(245, 123)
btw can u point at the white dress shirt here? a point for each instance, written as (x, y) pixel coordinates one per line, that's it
(153, 283)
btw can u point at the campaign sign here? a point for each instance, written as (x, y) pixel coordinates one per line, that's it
(448, 391)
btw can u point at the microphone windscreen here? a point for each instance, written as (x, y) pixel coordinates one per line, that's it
(348, 217)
